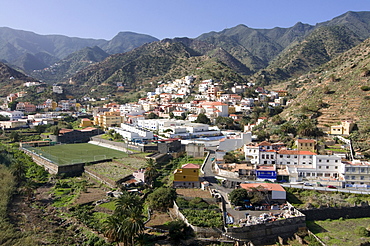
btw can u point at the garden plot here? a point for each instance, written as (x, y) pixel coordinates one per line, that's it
(111, 170)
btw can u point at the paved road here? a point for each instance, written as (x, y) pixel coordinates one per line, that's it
(210, 177)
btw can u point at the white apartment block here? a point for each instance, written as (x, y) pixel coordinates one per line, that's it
(12, 115)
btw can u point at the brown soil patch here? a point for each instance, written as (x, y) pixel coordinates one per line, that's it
(158, 219)
(93, 194)
(194, 193)
(37, 217)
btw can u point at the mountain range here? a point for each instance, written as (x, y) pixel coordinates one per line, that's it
(29, 51)
(238, 54)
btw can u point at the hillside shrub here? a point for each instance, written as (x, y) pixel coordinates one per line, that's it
(365, 88)
(362, 231)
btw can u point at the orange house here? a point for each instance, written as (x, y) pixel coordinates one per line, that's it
(187, 176)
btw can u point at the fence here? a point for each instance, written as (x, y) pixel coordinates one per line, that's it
(352, 191)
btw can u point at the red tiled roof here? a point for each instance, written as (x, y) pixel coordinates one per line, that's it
(264, 143)
(267, 186)
(306, 140)
(190, 165)
(295, 152)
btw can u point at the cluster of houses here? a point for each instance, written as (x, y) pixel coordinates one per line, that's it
(271, 161)
(274, 162)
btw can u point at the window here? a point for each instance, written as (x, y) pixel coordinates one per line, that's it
(263, 156)
(295, 156)
(304, 157)
(347, 169)
(346, 177)
(336, 167)
(319, 160)
(362, 177)
(288, 156)
(336, 161)
(288, 162)
(327, 175)
(308, 174)
(353, 177)
(272, 156)
(319, 167)
(303, 163)
(327, 167)
(327, 160)
(281, 156)
(353, 169)
(362, 170)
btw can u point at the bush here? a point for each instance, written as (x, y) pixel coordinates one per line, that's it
(365, 88)
(362, 232)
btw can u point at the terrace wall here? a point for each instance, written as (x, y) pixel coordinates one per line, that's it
(336, 213)
(268, 232)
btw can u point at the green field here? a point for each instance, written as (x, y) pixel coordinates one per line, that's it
(340, 232)
(66, 154)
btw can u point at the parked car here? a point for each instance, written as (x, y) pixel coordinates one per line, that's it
(331, 187)
(238, 208)
(307, 184)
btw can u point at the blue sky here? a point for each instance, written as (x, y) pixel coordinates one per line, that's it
(165, 18)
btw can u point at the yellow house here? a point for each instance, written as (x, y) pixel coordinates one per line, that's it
(86, 123)
(306, 145)
(108, 119)
(344, 128)
(231, 110)
(187, 176)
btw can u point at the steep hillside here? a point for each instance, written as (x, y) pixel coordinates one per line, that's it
(319, 47)
(10, 79)
(67, 67)
(338, 90)
(162, 60)
(15, 44)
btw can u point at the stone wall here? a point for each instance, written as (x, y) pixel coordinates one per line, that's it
(268, 232)
(336, 213)
(226, 173)
(41, 161)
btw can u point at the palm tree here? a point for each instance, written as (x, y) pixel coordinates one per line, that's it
(127, 221)
(133, 224)
(127, 201)
(151, 171)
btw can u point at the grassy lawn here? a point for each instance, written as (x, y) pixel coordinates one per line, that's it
(78, 153)
(340, 232)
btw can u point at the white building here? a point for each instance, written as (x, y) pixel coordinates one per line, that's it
(12, 115)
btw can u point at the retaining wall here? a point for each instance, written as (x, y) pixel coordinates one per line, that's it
(268, 232)
(336, 213)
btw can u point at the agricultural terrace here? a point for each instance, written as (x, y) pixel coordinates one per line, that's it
(344, 232)
(66, 154)
(117, 169)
